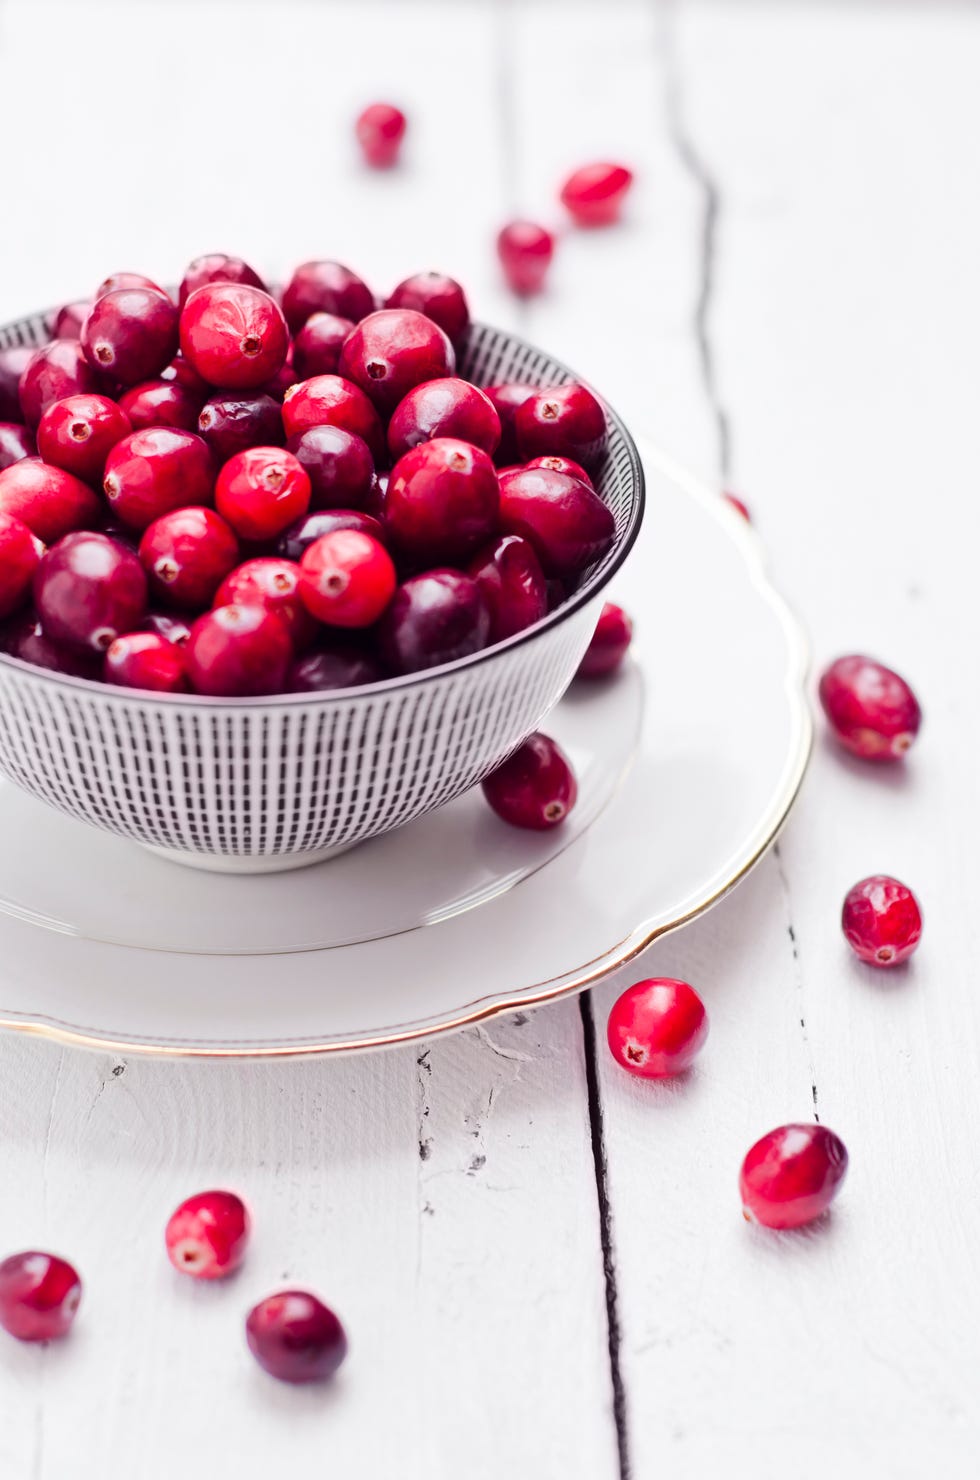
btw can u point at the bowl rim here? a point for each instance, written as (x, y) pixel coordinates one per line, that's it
(579, 599)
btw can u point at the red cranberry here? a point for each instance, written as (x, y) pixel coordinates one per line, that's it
(142, 660)
(561, 465)
(57, 370)
(117, 281)
(317, 346)
(161, 403)
(433, 618)
(566, 522)
(380, 129)
(275, 584)
(78, 434)
(329, 400)
(50, 501)
(442, 501)
(155, 470)
(594, 194)
(342, 665)
(506, 401)
(375, 503)
(566, 420)
(439, 297)
(657, 1027)
(393, 350)
(207, 1234)
(39, 1296)
(294, 1337)
(261, 491)
(186, 555)
(69, 319)
(525, 251)
(881, 921)
(238, 651)
(88, 590)
(131, 334)
(233, 335)
(348, 579)
(871, 709)
(299, 536)
(444, 408)
(170, 626)
(14, 360)
(792, 1175)
(535, 787)
(182, 372)
(20, 554)
(217, 267)
(738, 505)
(609, 645)
(16, 442)
(280, 383)
(231, 424)
(325, 287)
(509, 575)
(339, 466)
(23, 638)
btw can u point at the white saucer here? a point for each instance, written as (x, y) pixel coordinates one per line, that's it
(688, 763)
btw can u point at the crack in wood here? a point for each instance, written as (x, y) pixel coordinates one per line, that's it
(797, 973)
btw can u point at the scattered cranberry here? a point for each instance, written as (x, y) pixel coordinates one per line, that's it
(161, 403)
(233, 335)
(69, 319)
(348, 579)
(506, 400)
(88, 590)
(25, 640)
(207, 1234)
(274, 583)
(39, 1296)
(143, 660)
(317, 346)
(116, 282)
(566, 420)
(439, 297)
(217, 267)
(738, 505)
(155, 470)
(16, 442)
(14, 360)
(566, 522)
(186, 555)
(261, 492)
(342, 665)
(393, 350)
(442, 501)
(168, 625)
(54, 371)
(594, 194)
(231, 424)
(78, 434)
(50, 501)
(792, 1175)
(329, 400)
(380, 130)
(131, 334)
(325, 287)
(881, 921)
(657, 1027)
(444, 408)
(535, 787)
(525, 251)
(293, 1336)
(20, 554)
(871, 709)
(509, 575)
(339, 466)
(609, 645)
(238, 651)
(433, 618)
(299, 536)
(565, 465)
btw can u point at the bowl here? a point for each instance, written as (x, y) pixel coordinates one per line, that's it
(257, 785)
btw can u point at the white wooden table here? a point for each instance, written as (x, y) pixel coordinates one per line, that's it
(541, 1263)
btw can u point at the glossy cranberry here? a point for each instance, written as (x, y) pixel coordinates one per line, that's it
(594, 194)
(341, 665)
(117, 281)
(261, 492)
(14, 360)
(78, 433)
(348, 579)
(325, 287)
(23, 638)
(329, 400)
(444, 408)
(562, 465)
(161, 403)
(316, 348)
(433, 618)
(609, 645)
(567, 420)
(217, 267)
(186, 555)
(50, 501)
(566, 522)
(509, 575)
(39, 1296)
(274, 583)
(54, 371)
(20, 554)
(296, 1338)
(871, 709)
(439, 297)
(238, 651)
(339, 466)
(442, 501)
(88, 590)
(525, 251)
(506, 400)
(131, 334)
(380, 129)
(182, 372)
(375, 504)
(792, 1175)
(206, 1236)
(16, 442)
(299, 536)
(231, 424)
(393, 350)
(881, 920)
(155, 470)
(69, 319)
(535, 787)
(657, 1027)
(233, 335)
(143, 660)
(168, 625)
(738, 505)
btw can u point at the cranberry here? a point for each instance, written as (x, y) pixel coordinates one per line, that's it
(14, 360)
(78, 433)
(380, 129)
(316, 348)
(143, 660)
(16, 442)
(280, 383)
(535, 787)
(609, 645)
(509, 575)
(375, 503)
(566, 522)
(561, 465)
(295, 1337)
(182, 372)
(738, 505)
(329, 400)
(442, 501)
(393, 350)
(342, 665)
(57, 370)
(881, 920)
(238, 651)
(50, 501)
(339, 466)
(261, 491)
(131, 334)
(594, 194)
(24, 639)
(39, 1296)
(217, 267)
(506, 401)
(792, 1175)
(299, 536)
(233, 335)
(155, 470)
(231, 424)
(20, 554)
(444, 408)
(275, 584)
(69, 319)
(325, 287)
(439, 297)
(207, 1234)
(566, 420)
(170, 626)
(117, 281)
(525, 251)
(161, 403)
(657, 1027)
(88, 590)
(348, 579)
(871, 709)
(434, 618)
(186, 555)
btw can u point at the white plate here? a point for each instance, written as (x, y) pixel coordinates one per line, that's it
(688, 763)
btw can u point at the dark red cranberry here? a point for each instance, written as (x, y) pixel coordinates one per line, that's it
(274, 583)
(155, 470)
(871, 709)
(339, 465)
(739, 505)
(509, 575)
(142, 660)
(88, 590)
(594, 194)
(39, 1296)
(317, 346)
(442, 501)
(238, 651)
(14, 360)
(217, 267)
(566, 522)
(434, 618)
(561, 465)
(233, 335)
(54, 371)
(444, 408)
(609, 645)
(657, 1027)
(131, 335)
(299, 536)
(881, 920)
(78, 434)
(169, 625)
(341, 665)
(206, 1236)
(183, 373)
(506, 401)
(439, 297)
(117, 281)
(232, 423)
(261, 492)
(20, 554)
(380, 129)
(566, 420)
(325, 287)
(535, 787)
(186, 555)
(525, 251)
(375, 503)
(69, 319)
(792, 1175)
(348, 579)
(24, 638)
(393, 350)
(16, 442)
(50, 501)
(295, 1337)
(280, 383)
(161, 403)
(329, 400)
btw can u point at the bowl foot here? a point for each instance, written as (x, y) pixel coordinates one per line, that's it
(272, 863)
